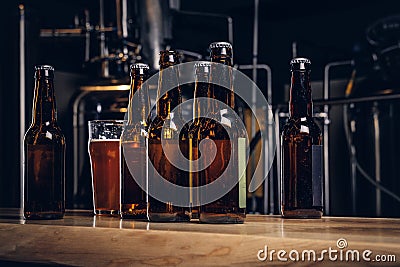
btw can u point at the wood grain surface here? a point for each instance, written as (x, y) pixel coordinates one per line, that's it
(84, 240)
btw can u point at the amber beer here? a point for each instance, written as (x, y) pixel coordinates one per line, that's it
(104, 152)
(104, 155)
(134, 147)
(133, 197)
(230, 208)
(44, 154)
(202, 76)
(301, 139)
(164, 126)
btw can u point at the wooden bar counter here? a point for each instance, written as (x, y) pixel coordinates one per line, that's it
(84, 240)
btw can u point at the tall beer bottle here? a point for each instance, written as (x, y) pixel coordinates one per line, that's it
(301, 181)
(166, 126)
(134, 147)
(231, 207)
(44, 153)
(201, 95)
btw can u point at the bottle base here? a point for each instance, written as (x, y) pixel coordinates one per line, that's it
(194, 214)
(106, 212)
(227, 218)
(135, 215)
(43, 215)
(301, 214)
(168, 217)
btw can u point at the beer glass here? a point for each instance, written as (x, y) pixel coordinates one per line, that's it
(104, 152)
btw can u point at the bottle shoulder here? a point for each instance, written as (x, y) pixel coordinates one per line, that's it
(42, 134)
(168, 128)
(134, 133)
(156, 124)
(219, 131)
(301, 126)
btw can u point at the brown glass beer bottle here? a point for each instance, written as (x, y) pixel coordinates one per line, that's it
(134, 147)
(231, 207)
(301, 180)
(166, 126)
(44, 153)
(202, 76)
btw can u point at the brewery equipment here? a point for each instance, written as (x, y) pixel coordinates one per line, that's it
(118, 34)
(372, 125)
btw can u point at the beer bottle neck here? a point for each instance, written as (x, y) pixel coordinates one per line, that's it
(222, 59)
(201, 90)
(139, 104)
(44, 103)
(222, 76)
(300, 103)
(168, 99)
(201, 85)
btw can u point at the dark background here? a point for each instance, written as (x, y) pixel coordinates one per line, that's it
(325, 31)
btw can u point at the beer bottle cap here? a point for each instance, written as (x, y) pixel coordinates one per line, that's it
(168, 57)
(46, 71)
(220, 45)
(139, 68)
(221, 49)
(300, 63)
(202, 67)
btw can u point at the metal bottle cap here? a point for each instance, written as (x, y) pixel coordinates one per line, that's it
(139, 68)
(300, 63)
(169, 56)
(202, 67)
(220, 45)
(221, 49)
(46, 71)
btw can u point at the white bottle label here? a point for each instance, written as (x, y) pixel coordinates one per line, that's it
(242, 171)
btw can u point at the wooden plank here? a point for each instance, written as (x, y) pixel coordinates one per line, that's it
(105, 241)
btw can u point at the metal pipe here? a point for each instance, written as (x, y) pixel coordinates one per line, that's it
(270, 146)
(175, 4)
(75, 32)
(254, 87)
(103, 48)
(124, 19)
(87, 36)
(347, 100)
(121, 8)
(21, 99)
(124, 28)
(102, 34)
(118, 9)
(326, 129)
(353, 167)
(230, 29)
(375, 112)
(152, 16)
(326, 74)
(76, 123)
(255, 47)
(278, 156)
(294, 49)
(267, 68)
(270, 121)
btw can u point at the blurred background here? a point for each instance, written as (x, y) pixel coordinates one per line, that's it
(354, 48)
